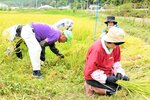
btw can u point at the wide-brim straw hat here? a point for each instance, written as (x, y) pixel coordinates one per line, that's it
(114, 35)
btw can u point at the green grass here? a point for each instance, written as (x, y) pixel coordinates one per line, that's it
(63, 78)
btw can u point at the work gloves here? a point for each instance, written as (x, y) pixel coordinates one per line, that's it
(126, 78)
(18, 53)
(119, 76)
(60, 55)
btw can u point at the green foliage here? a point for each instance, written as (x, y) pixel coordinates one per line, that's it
(124, 10)
(78, 3)
(138, 14)
(129, 10)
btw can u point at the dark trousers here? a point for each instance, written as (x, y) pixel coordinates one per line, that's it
(108, 86)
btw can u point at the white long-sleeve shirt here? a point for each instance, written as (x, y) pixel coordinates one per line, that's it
(67, 24)
(10, 32)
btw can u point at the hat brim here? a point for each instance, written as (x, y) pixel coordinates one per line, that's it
(119, 43)
(108, 39)
(69, 42)
(106, 22)
(67, 36)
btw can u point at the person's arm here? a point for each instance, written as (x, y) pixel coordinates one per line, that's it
(118, 68)
(119, 72)
(55, 50)
(117, 65)
(99, 76)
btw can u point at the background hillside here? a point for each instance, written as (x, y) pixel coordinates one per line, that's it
(63, 78)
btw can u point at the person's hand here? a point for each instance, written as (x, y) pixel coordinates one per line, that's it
(18, 53)
(60, 55)
(119, 76)
(111, 79)
(126, 78)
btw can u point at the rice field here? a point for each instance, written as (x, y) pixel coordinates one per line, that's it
(63, 78)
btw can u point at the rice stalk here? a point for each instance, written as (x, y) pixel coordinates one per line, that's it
(136, 87)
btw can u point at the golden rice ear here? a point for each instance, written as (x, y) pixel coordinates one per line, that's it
(6, 38)
(9, 51)
(6, 35)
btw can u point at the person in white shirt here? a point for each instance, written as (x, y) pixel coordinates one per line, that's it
(64, 24)
(12, 34)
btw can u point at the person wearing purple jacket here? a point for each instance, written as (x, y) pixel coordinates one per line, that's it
(37, 36)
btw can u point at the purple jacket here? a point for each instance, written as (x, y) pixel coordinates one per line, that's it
(45, 31)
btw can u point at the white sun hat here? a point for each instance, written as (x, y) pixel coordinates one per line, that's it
(114, 35)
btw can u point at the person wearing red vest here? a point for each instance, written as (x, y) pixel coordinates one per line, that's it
(102, 66)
